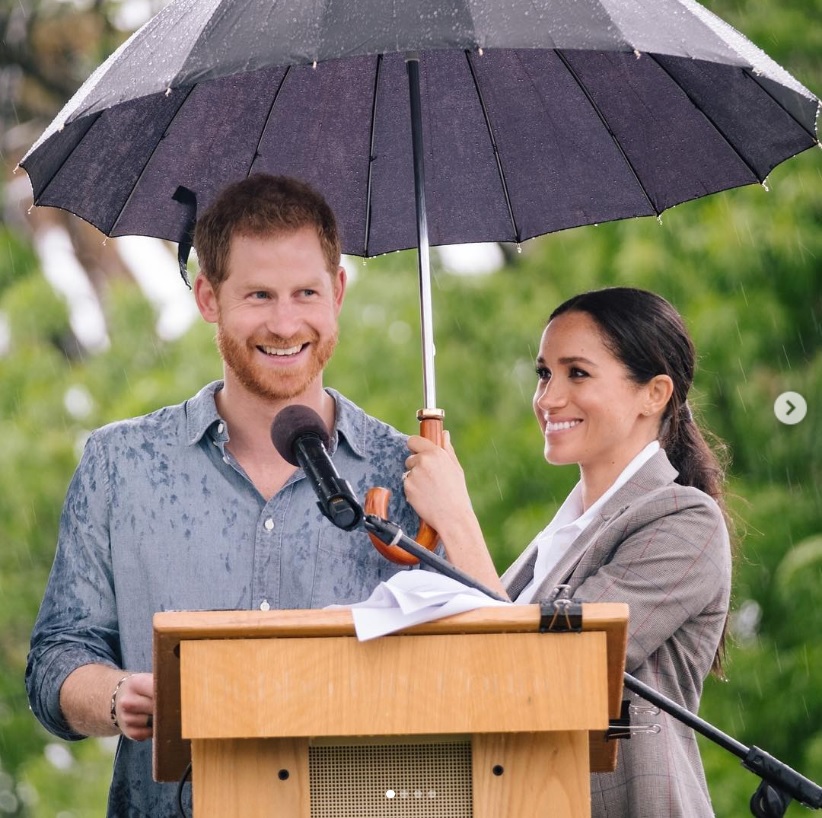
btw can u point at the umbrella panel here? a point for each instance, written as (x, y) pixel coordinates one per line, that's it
(517, 143)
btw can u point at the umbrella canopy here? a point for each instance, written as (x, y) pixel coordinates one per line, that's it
(535, 116)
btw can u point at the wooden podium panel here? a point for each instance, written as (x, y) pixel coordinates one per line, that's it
(240, 778)
(246, 695)
(545, 774)
(396, 685)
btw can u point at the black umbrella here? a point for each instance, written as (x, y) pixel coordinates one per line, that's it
(528, 116)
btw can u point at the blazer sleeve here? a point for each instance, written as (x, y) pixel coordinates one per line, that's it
(668, 557)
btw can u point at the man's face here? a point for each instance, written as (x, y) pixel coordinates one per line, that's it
(276, 312)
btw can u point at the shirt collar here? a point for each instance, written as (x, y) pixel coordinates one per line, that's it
(350, 424)
(202, 414)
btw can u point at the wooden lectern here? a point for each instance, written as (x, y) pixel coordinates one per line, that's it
(287, 714)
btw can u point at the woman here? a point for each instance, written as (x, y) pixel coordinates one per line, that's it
(645, 524)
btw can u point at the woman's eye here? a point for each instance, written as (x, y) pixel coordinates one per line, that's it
(578, 373)
(543, 373)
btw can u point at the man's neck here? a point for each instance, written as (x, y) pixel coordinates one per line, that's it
(249, 416)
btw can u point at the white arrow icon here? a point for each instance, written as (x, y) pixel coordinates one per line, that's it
(790, 408)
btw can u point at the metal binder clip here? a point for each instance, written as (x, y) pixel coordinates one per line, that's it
(560, 592)
(622, 727)
(560, 612)
(643, 709)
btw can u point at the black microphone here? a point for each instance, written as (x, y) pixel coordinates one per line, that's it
(299, 435)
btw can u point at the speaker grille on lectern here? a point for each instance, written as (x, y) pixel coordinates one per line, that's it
(391, 780)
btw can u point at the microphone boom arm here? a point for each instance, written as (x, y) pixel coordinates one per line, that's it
(392, 535)
(779, 784)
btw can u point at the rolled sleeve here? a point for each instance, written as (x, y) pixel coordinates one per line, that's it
(77, 622)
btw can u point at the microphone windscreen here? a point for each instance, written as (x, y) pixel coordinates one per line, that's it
(292, 423)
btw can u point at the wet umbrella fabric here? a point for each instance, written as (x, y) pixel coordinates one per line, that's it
(535, 117)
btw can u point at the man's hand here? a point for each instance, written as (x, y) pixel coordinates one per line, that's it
(86, 702)
(134, 706)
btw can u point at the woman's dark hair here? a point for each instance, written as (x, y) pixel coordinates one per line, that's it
(648, 336)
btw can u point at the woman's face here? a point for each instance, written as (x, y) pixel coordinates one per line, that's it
(589, 410)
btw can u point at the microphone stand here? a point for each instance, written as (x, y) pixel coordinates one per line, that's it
(779, 783)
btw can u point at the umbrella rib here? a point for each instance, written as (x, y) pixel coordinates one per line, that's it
(707, 118)
(371, 157)
(517, 234)
(148, 162)
(604, 121)
(268, 119)
(46, 186)
(751, 75)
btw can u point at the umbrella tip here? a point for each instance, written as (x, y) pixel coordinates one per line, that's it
(188, 199)
(183, 249)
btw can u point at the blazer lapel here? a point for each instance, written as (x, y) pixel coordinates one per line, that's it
(520, 572)
(653, 474)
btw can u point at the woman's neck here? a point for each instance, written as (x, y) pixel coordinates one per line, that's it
(596, 479)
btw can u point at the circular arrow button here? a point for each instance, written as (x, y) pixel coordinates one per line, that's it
(790, 408)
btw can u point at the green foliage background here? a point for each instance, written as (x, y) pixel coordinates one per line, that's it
(744, 269)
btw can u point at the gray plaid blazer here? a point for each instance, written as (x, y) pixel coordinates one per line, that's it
(664, 549)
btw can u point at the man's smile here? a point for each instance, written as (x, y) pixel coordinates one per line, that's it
(281, 352)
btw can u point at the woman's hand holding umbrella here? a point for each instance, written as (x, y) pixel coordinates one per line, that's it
(435, 486)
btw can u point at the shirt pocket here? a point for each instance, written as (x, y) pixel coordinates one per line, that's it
(348, 568)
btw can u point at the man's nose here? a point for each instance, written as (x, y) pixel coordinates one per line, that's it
(283, 319)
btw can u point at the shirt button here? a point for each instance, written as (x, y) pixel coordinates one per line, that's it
(269, 524)
(264, 606)
(220, 427)
(225, 460)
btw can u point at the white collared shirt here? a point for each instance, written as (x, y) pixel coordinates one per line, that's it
(570, 521)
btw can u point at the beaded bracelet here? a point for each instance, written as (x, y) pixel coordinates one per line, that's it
(113, 712)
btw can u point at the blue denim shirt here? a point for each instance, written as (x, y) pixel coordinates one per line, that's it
(159, 516)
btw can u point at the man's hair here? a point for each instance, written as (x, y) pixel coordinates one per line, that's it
(259, 206)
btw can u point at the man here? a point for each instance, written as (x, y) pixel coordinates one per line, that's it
(191, 507)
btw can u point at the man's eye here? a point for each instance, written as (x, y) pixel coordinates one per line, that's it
(260, 294)
(309, 293)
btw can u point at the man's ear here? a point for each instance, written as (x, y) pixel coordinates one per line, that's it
(340, 283)
(206, 298)
(658, 392)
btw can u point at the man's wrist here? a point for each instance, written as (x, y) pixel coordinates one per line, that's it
(113, 710)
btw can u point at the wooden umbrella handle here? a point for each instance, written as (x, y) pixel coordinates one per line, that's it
(377, 499)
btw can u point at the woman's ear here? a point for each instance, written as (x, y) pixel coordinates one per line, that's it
(658, 392)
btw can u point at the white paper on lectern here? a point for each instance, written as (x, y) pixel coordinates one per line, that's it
(412, 597)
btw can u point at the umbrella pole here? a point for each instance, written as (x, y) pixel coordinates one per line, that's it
(430, 418)
(412, 64)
